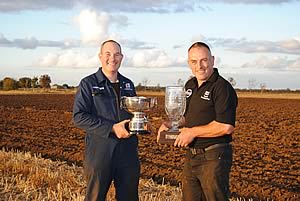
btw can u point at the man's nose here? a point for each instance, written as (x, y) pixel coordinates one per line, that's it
(112, 57)
(199, 65)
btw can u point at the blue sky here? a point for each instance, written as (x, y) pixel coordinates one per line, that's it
(257, 42)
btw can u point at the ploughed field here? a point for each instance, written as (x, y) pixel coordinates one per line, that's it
(266, 142)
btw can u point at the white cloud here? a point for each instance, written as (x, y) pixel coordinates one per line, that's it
(161, 6)
(198, 37)
(96, 27)
(141, 59)
(67, 59)
(274, 63)
(154, 58)
(49, 60)
(254, 1)
(93, 27)
(288, 46)
(4, 42)
(32, 43)
(19, 5)
(136, 44)
(116, 5)
(295, 65)
(218, 61)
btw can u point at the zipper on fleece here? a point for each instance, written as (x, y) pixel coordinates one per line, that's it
(117, 102)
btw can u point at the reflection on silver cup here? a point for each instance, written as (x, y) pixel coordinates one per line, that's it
(175, 103)
(138, 105)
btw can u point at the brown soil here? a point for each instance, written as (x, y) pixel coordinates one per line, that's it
(266, 142)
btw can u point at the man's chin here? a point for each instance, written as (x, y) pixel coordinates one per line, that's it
(200, 75)
(113, 67)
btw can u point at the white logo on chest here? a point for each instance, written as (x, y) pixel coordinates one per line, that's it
(206, 95)
(188, 93)
(128, 86)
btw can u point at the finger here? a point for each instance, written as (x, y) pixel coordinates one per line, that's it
(166, 124)
(126, 133)
(176, 143)
(163, 128)
(182, 129)
(126, 121)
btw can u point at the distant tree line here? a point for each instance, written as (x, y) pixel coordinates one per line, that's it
(9, 83)
(143, 86)
(44, 81)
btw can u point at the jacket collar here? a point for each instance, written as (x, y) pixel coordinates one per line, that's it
(212, 78)
(102, 78)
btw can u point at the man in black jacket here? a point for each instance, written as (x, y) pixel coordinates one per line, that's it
(111, 152)
(208, 123)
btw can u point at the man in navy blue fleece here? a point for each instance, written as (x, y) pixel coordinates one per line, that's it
(111, 152)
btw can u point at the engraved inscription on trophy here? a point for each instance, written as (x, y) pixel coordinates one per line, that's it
(175, 103)
(138, 105)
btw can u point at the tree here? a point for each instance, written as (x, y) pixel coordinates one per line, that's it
(139, 87)
(45, 81)
(145, 82)
(34, 83)
(9, 84)
(65, 86)
(252, 83)
(232, 81)
(263, 87)
(180, 82)
(25, 82)
(1, 84)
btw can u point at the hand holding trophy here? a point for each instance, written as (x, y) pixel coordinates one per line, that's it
(175, 103)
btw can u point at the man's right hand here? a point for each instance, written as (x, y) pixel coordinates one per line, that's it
(120, 130)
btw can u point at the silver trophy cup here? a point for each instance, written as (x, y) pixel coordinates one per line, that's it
(175, 103)
(138, 105)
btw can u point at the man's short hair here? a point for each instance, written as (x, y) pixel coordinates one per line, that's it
(110, 41)
(199, 44)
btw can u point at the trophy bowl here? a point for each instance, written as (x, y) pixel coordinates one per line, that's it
(138, 105)
(175, 104)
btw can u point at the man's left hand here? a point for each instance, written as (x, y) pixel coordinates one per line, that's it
(184, 138)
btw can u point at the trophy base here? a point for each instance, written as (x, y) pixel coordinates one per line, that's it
(168, 137)
(141, 132)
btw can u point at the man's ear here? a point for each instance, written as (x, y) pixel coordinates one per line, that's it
(212, 60)
(99, 55)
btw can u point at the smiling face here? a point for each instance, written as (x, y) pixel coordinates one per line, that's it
(111, 57)
(201, 63)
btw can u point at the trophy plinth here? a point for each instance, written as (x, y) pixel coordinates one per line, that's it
(168, 137)
(138, 105)
(175, 103)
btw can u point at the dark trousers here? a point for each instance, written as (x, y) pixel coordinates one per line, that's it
(106, 162)
(206, 175)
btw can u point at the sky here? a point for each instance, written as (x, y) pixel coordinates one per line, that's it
(256, 42)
